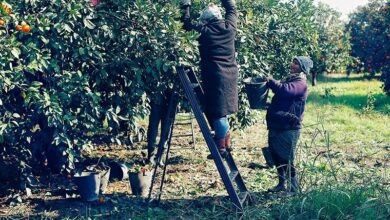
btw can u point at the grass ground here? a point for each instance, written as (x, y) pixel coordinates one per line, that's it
(343, 159)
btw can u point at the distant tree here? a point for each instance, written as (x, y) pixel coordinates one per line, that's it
(370, 38)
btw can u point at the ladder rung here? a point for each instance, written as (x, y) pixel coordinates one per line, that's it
(233, 175)
(194, 85)
(182, 135)
(185, 119)
(183, 123)
(242, 196)
(185, 116)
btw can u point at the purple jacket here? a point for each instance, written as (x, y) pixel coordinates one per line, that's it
(288, 104)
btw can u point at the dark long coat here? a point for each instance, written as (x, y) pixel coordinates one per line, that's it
(218, 63)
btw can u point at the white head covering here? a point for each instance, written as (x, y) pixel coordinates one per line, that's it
(211, 12)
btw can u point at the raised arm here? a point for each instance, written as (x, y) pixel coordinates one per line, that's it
(231, 11)
(290, 89)
(186, 17)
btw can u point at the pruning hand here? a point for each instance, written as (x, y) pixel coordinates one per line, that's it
(185, 3)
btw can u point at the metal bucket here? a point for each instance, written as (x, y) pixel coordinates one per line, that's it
(88, 185)
(140, 182)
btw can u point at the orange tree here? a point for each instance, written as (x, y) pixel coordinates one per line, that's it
(370, 38)
(81, 69)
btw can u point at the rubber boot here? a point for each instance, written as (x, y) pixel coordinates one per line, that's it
(152, 159)
(150, 156)
(228, 142)
(221, 145)
(282, 181)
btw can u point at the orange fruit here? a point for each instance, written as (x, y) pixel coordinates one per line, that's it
(26, 28)
(101, 200)
(18, 27)
(2, 22)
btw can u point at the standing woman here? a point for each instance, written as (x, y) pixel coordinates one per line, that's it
(284, 120)
(218, 65)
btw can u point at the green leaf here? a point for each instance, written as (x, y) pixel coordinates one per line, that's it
(81, 51)
(15, 52)
(165, 67)
(68, 28)
(89, 24)
(36, 84)
(33, 65)
(44, 40)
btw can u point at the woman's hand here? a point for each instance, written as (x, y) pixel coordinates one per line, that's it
(185, 3)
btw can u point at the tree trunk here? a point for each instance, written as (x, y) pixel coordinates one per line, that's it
(314, 79)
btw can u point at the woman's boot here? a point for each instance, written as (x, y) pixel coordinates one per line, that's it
(228, 142)
(282, 181)
(221, 145)
(294, 184)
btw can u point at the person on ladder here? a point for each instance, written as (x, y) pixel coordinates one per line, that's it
(219, 71)
(284, 120)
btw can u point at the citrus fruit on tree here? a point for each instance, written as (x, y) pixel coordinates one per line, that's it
(26, 28)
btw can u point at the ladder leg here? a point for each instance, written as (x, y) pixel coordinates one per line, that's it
(166, 160)
(192, 130)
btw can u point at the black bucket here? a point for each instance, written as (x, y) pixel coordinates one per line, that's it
(118, 171)
(88, 185)
(140, 182)
(257, 92)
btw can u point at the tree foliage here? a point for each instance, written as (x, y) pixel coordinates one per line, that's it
(86, 69)
(370, 38)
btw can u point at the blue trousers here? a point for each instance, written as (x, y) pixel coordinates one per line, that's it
(221, 127)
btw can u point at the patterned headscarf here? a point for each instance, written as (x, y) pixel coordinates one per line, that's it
(211, 12)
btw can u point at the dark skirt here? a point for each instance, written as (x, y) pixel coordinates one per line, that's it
(283, 142)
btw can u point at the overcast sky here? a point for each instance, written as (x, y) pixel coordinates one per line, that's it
(344, 6)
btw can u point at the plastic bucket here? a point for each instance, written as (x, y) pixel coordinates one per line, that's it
(88, 185)
(257, 92)
(140, 182)
(104, 172)
(118, 171)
